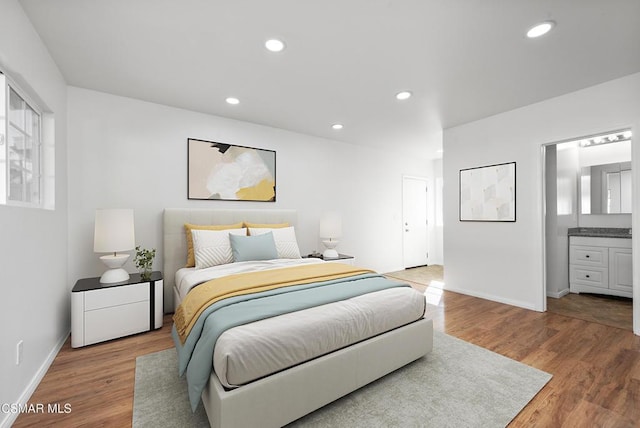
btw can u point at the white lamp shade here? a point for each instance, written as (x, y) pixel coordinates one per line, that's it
(331, 225)
(113, 231)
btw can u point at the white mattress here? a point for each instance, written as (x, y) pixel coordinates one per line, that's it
(252, 351)
(187, 278)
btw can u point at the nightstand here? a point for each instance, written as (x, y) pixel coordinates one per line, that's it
(102, 312)
(342, 258)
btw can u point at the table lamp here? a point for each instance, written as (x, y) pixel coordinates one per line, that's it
(330, 231)
(114, 232)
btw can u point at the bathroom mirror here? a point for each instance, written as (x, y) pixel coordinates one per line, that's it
(606, 188)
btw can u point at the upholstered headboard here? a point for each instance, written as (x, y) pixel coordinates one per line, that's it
(174, 239)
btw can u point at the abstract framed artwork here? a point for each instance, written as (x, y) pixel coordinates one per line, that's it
(488, 193)
(221, 171)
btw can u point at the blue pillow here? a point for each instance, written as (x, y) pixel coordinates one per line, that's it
(258, 247)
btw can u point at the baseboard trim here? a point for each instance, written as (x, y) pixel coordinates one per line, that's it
(558, 294)
(491, 297)
(35, 381)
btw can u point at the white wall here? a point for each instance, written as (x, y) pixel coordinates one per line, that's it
(553, 259)
(561, 214)
(33, 248)
(435, 214)
(504, 261)
(133, 154)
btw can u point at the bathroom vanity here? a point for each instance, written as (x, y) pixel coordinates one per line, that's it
(600, 261)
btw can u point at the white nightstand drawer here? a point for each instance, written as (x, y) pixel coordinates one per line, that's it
(116, 321)
(102, 312)
(593, 277)
(115, 296)
(589, 256)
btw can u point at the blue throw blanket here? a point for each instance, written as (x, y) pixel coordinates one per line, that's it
(196, 354)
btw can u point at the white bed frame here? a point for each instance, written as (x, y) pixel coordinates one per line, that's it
(281, 398)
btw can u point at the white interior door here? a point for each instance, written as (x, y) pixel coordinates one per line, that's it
(414, 221)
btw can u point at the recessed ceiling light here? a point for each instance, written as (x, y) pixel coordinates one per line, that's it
(337, 126)
(404, 95)
(232, 100)
(274, 45)
(540, 29)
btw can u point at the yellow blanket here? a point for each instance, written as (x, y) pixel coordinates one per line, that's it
(217, 289)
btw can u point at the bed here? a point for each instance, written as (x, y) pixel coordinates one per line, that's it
(294, 390)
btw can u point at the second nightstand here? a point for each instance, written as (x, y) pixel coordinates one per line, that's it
(342, 258)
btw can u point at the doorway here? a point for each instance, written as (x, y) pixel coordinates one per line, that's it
(415, 251)
(579, 198)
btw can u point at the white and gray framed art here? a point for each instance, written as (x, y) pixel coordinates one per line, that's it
(488, 193)
(221, 171)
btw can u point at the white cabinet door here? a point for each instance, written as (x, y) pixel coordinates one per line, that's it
(620, 269)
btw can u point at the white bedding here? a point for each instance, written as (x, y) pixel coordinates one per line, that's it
(251, 351)
(187, 278)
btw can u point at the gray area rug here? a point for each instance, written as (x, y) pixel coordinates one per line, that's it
(457, 385)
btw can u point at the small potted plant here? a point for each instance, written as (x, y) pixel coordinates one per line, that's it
(144, 261)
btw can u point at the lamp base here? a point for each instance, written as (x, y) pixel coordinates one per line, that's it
(116, 273)
(330, 252)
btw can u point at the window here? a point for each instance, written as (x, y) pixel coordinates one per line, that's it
(20, 147)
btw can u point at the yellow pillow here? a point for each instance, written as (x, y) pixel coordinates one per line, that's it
(265, 225)
(191, 260)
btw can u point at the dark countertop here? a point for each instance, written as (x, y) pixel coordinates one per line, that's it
(601, 232)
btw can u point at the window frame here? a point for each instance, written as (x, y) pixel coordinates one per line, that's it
(37, 154)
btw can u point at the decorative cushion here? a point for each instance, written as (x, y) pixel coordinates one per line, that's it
(212, 247)
(265, 225)
(247, 248)
(191, 261)
(285, 238)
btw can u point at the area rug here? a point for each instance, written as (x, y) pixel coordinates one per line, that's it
(456, 385)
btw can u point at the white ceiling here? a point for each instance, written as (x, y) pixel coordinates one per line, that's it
(345, 59)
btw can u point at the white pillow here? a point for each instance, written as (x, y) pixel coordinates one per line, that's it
(212, 247)
(285, 238)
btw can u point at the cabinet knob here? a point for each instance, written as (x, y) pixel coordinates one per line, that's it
(587, 256)
(587, 276)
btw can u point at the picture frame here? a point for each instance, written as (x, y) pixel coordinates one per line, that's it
(229, 172)
(488, 193)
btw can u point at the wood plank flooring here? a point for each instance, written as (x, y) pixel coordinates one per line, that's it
(607, 310)
(96, 381)
(596, 368)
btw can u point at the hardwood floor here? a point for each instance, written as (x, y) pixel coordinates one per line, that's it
(422, 275)
(596, 368)
(95, 381)
(608, 310)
